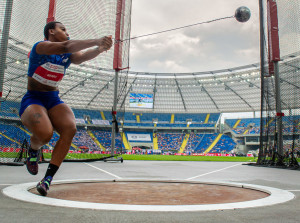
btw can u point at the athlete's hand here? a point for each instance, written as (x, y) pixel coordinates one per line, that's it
(105, 43)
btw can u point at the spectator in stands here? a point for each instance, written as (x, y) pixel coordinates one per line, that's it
(41, 108)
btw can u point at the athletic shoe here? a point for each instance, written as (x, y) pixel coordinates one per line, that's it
(43, 186)
(32, 162)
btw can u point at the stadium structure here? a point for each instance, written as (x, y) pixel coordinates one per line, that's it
(185, 116)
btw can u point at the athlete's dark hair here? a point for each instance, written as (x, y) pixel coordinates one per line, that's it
(50, 25)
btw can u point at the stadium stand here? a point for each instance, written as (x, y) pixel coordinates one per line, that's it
(240, 126)
(129, 116)
(202, 125)
(104, 137)
(107, 115)
(224, 145)
(83, 140)
(200, 142)
(11, 135)
(253, 125)
(194, 141)
(169, 141)
(205, 142)
(214, 117)
(139, 124)
(9, 109)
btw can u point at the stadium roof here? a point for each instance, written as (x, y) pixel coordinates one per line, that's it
(90, 87)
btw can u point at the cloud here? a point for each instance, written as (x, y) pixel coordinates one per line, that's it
(169, 65)
(212, 46)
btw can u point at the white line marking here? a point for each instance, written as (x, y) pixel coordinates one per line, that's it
(277, 196)
(103, 171)
(294, 190)
(6, 184)
(201, 175)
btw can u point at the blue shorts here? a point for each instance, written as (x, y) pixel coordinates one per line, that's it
(47, 99)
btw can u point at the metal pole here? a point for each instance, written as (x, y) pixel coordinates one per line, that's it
(117, 65)
(51, 11)
(262, 75)
(279, 113)
(114, 124)
(4, 41)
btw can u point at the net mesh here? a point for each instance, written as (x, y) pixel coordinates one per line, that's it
(85, 86)
(288, 87)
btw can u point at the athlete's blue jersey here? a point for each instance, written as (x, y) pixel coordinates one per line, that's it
(48, 69)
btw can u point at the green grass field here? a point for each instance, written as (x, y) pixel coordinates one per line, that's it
(189, 158)
(47, 156)
(75, 156)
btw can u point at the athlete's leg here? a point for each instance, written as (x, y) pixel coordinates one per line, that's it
(35, 118)
(63, 121)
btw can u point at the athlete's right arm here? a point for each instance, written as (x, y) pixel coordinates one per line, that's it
(70, 46)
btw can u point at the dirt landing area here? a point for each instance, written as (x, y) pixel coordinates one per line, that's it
(152, 193)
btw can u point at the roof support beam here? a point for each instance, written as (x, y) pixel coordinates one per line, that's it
(250, 83)
(291, 65)
(239, 96)
(78, 84)
(105, 86)
(129, 89)
(13, 78)
(273, 95)
(204, 89)
(154, 93)
(70, 89)
(289, 83)
(179, 90)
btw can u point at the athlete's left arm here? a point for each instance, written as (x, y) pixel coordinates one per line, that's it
(80, 57)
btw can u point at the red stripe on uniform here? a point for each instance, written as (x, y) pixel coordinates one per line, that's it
(53, 76)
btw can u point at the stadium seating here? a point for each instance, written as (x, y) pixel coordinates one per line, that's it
(146, 119)
(194, 141)
(231, 122)
(200, 142)
(107, 115)
(166, 141)
(250, 124)
(104, 137)
(214, 117)
(169, 141)
(139, 124)
(202, 125)
(14, 133)
(224, 145)
(170, 125)
(205, 142)
(129, 116)
(82, 140)
(290, 125)
(9, 109)
(54, 139)
(81, 113)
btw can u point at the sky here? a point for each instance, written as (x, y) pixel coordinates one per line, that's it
(218, 45)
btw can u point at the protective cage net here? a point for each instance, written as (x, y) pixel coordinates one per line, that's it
(282, 149)
(87, 88)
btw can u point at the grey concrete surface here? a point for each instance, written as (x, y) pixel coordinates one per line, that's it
(17, 211)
